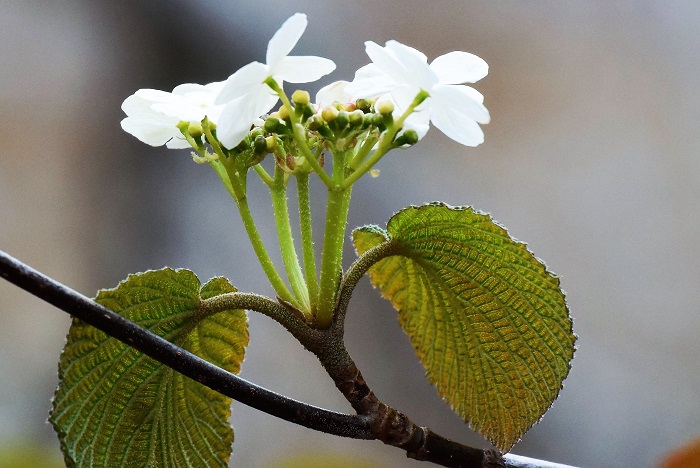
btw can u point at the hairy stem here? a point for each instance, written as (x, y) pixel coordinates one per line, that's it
(333, 240)
(284, 234)
(307, 240)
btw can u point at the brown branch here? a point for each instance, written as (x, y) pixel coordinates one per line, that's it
(374, 420)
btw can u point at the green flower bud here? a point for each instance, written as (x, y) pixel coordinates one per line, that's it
(256, 132)
(301, 97)
(384, 107)
(316, 122)
(342, 120)
(356, 117)
(377, 120)
(271, 124)
(259, 144)
(411, 137)
(363, 104)
(329, 113)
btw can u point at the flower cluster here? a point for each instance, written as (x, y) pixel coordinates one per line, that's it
(397, 95)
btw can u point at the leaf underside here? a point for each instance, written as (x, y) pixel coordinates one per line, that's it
(115, 406)
(487, 320)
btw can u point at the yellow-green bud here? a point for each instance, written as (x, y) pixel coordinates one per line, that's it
(195, 130)
(384, 107)
(271, 142)
(329, 113)
(301, 97)
(283, 113)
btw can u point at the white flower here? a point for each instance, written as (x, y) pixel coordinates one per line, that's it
(153, 116)
(403, 71)
(246, 95)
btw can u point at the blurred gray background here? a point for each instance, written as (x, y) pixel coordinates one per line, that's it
(591, 157)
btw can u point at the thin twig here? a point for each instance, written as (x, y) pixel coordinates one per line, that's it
(442, 451)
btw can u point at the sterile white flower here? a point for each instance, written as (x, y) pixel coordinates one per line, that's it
(153, 115)
(403, 71)
(245, 94)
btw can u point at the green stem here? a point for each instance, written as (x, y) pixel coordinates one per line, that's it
(307, 241)
(263, 257)
(284, 234)
(262, 173)
(363, 151)
(334, 237)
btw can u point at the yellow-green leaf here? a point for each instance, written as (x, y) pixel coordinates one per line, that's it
(115, 406)
(488, 321)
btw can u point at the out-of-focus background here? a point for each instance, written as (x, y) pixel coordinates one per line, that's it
(592, 157)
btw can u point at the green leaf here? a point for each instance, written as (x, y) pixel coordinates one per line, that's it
(488, 321)
(115, 406)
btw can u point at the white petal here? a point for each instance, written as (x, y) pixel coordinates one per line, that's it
(404, 95)
(178, 142)
(416, 64)
(466, 132)
(386, 62)
(151, 131)
(233, 125)
(186, 88)
(334, 92)
(298, 69)
(154, 95)
(466, 100)
(368, 71)
(371, 87)
(142, 121)
(242, 82)
(453, 112)
(238, 116)
(285, 39)
(459, 67)
(181, 108)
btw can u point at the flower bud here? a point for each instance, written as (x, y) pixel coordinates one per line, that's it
(270, 143)
(256, 131)
(411, 136)
(272, 124)
(259, 144)
(316, 122)
(363, 104)
(195, 130)
(283, 113)
(356, 117)
(301, 97)
(377, 120)
(384, 107)
(342, 120)
(329, 113)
